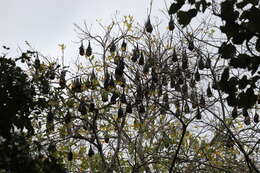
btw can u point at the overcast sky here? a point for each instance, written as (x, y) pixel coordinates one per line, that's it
(47, 23)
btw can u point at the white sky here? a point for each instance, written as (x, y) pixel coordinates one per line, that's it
(47, 23)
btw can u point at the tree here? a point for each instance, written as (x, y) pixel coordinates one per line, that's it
(143, 99)
(19, 101)
(240, 47)
(142, 102)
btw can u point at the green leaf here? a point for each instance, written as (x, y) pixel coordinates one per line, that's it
(230, 29)
(227, 11)
(244, 60)
(227, 51)
(184, 17)
(239, 38)
(175, 7)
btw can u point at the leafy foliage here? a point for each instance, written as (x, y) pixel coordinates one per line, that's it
(19, 101)
(241, 28)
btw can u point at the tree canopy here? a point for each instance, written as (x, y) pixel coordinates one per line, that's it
(242, 30)
(139, 98)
